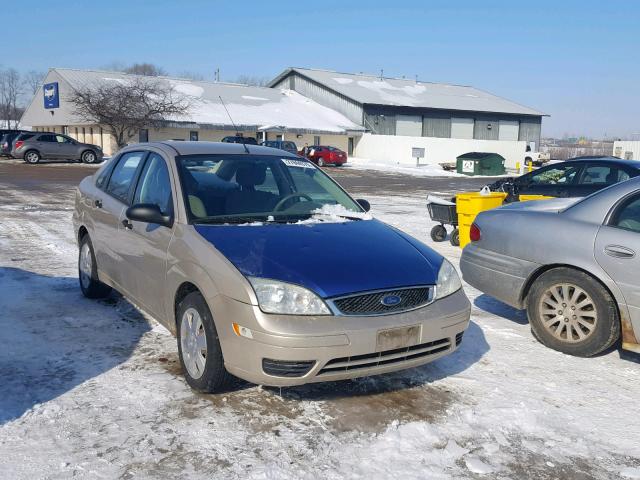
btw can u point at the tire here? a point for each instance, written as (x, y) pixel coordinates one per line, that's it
(89, 157)
(204, 373)
(88, 271)
(320, 162)
(571, 312)
(438, 233)
(455, 237)
(32, 157)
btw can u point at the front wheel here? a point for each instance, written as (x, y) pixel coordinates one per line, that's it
(89, 157)
(320, 162)
(199, 346)
(573, 313)
(438, 233)
(88, 271)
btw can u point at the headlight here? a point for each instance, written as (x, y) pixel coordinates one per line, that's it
(286, 298)
(448, 280)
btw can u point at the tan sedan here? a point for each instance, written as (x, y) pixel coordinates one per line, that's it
(262, 266)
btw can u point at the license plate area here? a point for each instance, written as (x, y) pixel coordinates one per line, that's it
(401, 337)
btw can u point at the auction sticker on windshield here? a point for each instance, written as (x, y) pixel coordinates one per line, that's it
(297, 163)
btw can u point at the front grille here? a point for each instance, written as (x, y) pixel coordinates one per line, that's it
(286, 368)
(372, 303)
(459, 338)
(387, 357)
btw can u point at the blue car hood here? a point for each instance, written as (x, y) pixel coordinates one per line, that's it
(331, 259)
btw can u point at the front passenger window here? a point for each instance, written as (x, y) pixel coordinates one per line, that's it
(154, 186)
(628, 216)
(123, 174)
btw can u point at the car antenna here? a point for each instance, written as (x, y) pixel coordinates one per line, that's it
(246, 149)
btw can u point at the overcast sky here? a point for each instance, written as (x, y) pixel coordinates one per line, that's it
(578, 61)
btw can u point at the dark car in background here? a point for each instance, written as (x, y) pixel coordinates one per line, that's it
(239, 139)
(46, 145)
(7, 137)
(323, 155)
(578, 177)
(285, 145)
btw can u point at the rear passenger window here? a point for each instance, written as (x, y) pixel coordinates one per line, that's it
(47, 138)
(627, 215)
(603, 175)
(101, 181)
(123, 175)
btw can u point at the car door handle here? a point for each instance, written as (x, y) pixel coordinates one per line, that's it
(98, 203)
(127, 224)
(619, 251)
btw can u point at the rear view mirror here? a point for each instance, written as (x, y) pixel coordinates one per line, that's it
(364, 204)
(148, 213)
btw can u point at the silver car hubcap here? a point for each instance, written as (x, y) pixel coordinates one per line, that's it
(89, 157)
(568, 313)
(193, 341)
(86, 265)
(32, 158)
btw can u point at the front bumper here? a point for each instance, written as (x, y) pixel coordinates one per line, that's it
(328, 344)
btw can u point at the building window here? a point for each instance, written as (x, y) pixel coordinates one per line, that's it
(91, 134)
(193, 135)
(84, 135)
(101, 141)
(65, 130)
(76, 133)
(316, 140)
(143, 135)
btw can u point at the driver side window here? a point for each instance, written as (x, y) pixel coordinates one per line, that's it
(154, 185)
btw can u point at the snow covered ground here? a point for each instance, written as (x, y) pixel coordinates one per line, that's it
(423, 170)
(93, 390)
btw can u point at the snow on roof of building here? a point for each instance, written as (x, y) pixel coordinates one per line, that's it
(253, 107)
(370, 89)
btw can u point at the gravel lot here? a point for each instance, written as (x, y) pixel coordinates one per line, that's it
(94, 389)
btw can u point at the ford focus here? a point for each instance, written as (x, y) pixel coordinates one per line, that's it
(262, 266)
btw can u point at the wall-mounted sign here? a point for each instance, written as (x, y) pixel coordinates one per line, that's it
(51, 95)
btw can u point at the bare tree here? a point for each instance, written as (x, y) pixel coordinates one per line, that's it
(251, 80)
(146, 69)
(127, 107)
(34, 80)
(10, 91)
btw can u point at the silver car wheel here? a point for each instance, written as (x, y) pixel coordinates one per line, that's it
(568, 312)
(89, 157)
(86, 265)
(32, 157)
(193, 341)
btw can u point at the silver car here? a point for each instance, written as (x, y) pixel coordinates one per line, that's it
(54, 146)
(572, 264)
(262, 266)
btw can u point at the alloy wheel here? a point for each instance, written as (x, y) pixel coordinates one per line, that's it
(193, 341)
(568, 312)
(86, 265)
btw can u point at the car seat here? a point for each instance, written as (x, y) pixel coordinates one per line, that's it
(247, 199)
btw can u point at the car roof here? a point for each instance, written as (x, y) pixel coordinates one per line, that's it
(615, 160)
(209, 148)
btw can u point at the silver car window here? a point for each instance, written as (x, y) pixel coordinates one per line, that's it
(627, 215)
(123, 175)
(154, 185)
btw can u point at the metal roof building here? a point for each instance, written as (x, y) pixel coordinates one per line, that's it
(409, 108)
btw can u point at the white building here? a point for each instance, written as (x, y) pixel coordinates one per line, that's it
(260, 112)
(398, 114)
(628, 150)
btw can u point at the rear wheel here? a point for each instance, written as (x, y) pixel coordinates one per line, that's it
(32, 157)
(573, 313)
(88, 271)
(199, 346)
(89, 156)
(438, 233)
(455, 238)
(320, 162)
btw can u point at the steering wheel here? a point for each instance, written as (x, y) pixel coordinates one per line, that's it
(284, 200)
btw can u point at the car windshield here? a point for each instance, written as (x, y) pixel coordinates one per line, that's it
(248, 188)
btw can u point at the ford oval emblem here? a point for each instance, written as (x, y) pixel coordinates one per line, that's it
(390, 300)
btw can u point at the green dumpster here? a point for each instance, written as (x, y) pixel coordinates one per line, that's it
(481, 163)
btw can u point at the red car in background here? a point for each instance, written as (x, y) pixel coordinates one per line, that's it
(322, 155)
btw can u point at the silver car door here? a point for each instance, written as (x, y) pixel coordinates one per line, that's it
(66, 148)
(148, 243)
(617, 251)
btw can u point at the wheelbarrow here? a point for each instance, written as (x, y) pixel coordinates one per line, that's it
(444, 212)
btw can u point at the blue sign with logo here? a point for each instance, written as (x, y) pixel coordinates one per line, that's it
(51, 95)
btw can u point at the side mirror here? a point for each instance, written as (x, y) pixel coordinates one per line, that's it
(148, 213)
(364, 204)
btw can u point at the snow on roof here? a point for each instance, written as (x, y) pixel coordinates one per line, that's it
(369, 89)
(252, 107)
